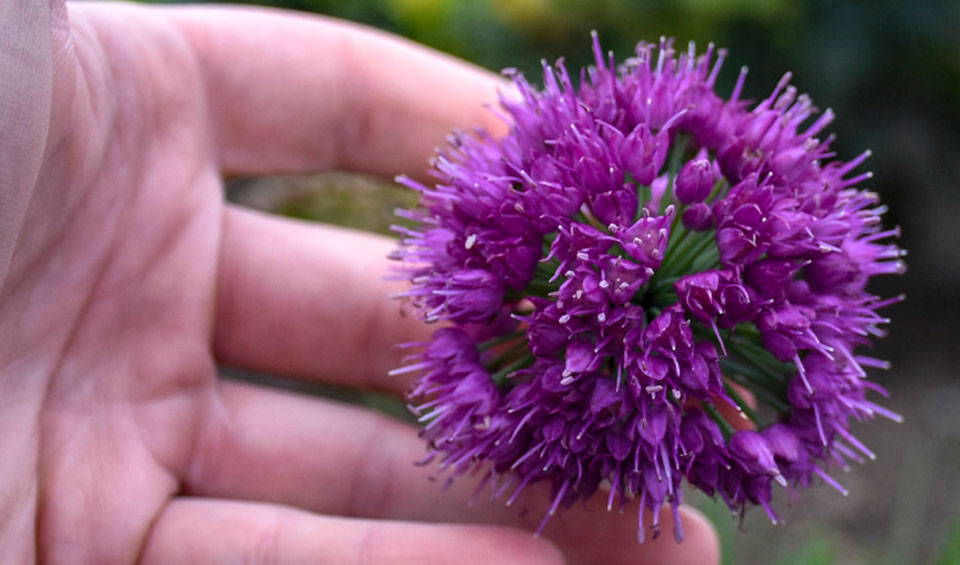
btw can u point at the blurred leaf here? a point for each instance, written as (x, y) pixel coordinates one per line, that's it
(357, 201)
(817, 550)
(949, 553)
(903, 541)
(389, 405)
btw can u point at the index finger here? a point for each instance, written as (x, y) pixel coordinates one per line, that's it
(301, 93)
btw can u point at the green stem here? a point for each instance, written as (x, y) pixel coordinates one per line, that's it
(661, 295)
(546, 269)
(763, 394)
(696, 253)
(751, 371)
(680, 143)
(490, 343)
(771, 392)
(587, 214)
(520, 363)
(732, 393)
(746, 330)
(760, 358)
(677, 237)
(677, 152)
(696, 245)
(718, 188)
(644, 195)
(536, 287)
(708, 258)
(516, 350)
(725, 426)
(662, 283)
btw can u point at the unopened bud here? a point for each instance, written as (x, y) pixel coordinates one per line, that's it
(694, 182)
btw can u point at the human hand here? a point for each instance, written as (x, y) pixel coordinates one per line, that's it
(125, 280)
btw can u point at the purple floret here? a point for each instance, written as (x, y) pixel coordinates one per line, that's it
(621, 265)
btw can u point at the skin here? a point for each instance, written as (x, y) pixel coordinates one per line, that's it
(125, 280)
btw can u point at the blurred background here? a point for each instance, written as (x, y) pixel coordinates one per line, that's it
(891, 72)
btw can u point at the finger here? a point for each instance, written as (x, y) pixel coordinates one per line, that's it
(308, 301)
(304, 93)
(330, 458)
(738, 415)
(219, 531)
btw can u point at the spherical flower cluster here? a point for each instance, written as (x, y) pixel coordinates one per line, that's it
(618, 268)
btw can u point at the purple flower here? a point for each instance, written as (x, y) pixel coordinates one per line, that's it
(695, 180)
(631, 249)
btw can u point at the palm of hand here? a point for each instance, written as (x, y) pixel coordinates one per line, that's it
(113, 289)
(130, 280)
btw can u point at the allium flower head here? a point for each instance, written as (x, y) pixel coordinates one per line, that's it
(631, 255)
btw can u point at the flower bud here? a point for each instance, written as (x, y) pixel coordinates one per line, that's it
(694, 182)
(750, 449)
(697, 217)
